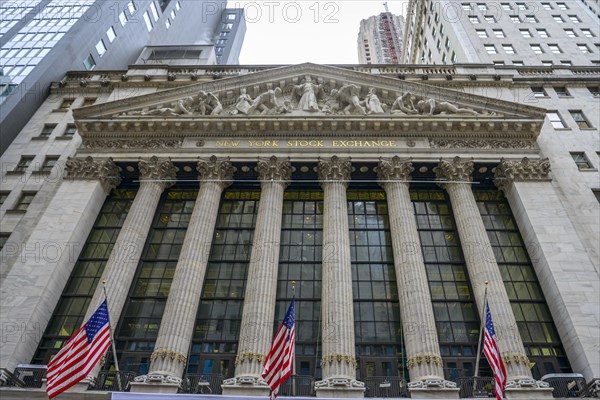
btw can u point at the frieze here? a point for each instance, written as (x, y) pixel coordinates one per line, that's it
(98, 144)
(482, 144)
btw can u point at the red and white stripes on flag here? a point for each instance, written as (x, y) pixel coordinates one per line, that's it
(492, 353)
(280, 360)
(80, 354)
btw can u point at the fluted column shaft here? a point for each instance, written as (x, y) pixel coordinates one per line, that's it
(177, 326)
(482, 266)
(336, 301)
(416, 311)
(259, 300)
(155, 176)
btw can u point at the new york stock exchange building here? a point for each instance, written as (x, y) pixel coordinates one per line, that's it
(394, 198)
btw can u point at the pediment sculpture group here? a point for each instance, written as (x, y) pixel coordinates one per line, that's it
(307, 98)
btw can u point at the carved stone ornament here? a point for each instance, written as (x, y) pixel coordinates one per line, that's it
(131, 144)
(158, 379)
(336, 169)
(526, 384)
(158, 170)
(394, 169)
(87, 168)
(339, 383)
(431, 384)
(215, 170)
(521, 171)
(455, 170)
(245, 380)
(275, 170)
(481, 144)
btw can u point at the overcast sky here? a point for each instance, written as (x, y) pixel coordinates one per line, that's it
(293, 32)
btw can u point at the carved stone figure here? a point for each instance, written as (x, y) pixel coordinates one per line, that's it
(209, 104)
(404, 104)
(308, 93)
(347, 99)
(433, 107)
(243, 104)
(180, 107)
(373, 103)
(266, 103)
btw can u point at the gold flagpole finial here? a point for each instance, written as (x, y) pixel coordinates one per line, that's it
(104, 282)
(486, 282)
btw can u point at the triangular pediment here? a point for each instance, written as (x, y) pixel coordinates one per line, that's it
(310, 95)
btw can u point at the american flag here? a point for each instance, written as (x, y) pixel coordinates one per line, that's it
(80, 354)
(492, 353)
(279, 361)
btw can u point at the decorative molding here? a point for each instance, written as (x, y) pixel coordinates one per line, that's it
(394, 169)
(330, 359)
(482, 144)
(339, 383)
(424, 358)
(526, 384)
(275, 170)
(455, 170)
(104, 170)
(245, 381)
(173, 355)
(432, 384)
(158, 379)
(515, 359)
(216, 170)
(99, 144)
(524, 170)
(158, 170)
(334, 170)
(248, 355)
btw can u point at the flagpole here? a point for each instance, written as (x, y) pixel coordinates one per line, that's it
(112, 340)
(480, 336)
(294, 355)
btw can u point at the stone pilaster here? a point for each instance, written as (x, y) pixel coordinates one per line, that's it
(416, 312)
(559, 258)
(169, 358)
(47, 258)
(339, 360)
(456, 177)
(156, 175)
(259, 300)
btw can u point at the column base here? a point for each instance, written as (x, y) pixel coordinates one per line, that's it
(433, 389)
(340, 387)
(155, 384)
(245, 386)
(528, 389)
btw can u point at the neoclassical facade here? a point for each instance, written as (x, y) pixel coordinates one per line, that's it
(391, 204)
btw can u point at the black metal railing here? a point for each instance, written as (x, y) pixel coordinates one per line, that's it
(567, 385)
(112, 381)
(480, 387)
(30, 377)
(386, 386)
(298, 386)
(202, 384)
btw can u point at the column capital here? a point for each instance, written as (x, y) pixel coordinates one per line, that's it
(335, 169)
(216, 170)
(104, 170)
(394, 169)
(509, 171)
(455, 170)
(159, 170)
(273, 169)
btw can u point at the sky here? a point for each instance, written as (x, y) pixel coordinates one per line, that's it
(293, 32)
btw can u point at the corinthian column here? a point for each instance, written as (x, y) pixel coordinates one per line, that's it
(259, 300)
(456, 178)
(156, 175)
(169, 358)
(339, 361)
(416, 312)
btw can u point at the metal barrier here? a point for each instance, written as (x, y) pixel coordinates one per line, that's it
(567, 385)
(202, 384)
(112, 381)
(386, 386)
(298, 386)
(480, 387)
(28, 376)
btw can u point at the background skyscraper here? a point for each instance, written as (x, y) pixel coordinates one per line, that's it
(380, 39)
